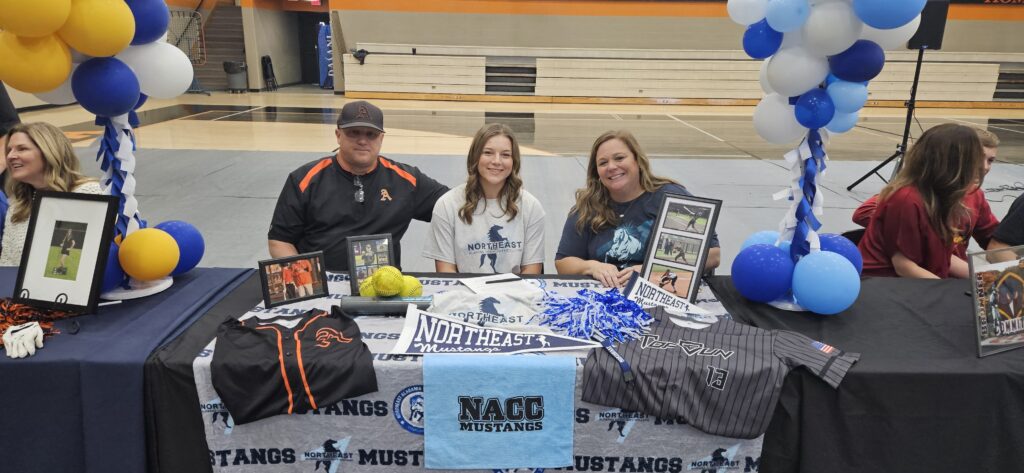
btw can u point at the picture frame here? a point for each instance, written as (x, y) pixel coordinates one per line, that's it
(366, 254)
(293, 278)
(65, 252)
(678, 246)
(997, 289)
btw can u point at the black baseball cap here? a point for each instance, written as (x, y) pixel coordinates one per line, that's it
(361, 113)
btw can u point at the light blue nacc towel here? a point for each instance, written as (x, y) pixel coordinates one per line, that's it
(488, 411)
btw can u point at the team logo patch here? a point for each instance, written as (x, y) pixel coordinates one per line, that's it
(363, 113)
(385, 195)
(720, 460)
(219, 416)
(327, 335)
(329, 455)
(823, 347)
(408, 409)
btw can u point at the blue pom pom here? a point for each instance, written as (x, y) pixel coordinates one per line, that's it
(608, 314)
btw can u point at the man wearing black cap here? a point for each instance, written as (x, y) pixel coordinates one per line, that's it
(357, 192)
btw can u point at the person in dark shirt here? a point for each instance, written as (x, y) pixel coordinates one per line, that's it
(357, 192)
(911, 233)
(1010, 232)
(606, 233)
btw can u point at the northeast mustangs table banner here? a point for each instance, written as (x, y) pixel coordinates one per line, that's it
(383, 431)
(498, 411)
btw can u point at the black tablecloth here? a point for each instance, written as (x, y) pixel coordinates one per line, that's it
(77, 404)
(919, 399)
(175, 440)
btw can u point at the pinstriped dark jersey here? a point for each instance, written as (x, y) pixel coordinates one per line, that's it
(724, 379)
(261, 368)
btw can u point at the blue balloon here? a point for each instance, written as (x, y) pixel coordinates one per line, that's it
(142, 100)
(848, 97)
(860, 62)
(887, 14)
(761, 41)
(843, 246)
(825, 283)
(784, 246)
(787, 15)
(105, 86)
(814, 109)
(842, 122)
(190, 243)
(151, 19)
(762, 273)
(764, 237)
(113, 275)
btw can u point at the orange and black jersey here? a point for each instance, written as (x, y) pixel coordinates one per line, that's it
(289, 365)
(317, 208)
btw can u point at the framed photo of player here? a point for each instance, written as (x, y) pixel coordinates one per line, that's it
(679, 243)
(998, 288)
(366, 254)
(293, 279)
(65, 253)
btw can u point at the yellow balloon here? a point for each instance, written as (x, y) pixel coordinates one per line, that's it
(33, 18)
(99, 27)
(148, 254)
(33, 65)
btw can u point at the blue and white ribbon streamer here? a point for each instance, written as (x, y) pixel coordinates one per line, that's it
(608, 315)
(800, 224)
(117, 160)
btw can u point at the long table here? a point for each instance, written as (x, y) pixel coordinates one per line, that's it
(77, 404)
(193, 432)
(919, 399)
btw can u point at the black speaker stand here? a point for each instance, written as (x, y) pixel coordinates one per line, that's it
(901, 148)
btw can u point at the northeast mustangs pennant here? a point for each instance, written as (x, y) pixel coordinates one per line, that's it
(682, 311)
(432, 333)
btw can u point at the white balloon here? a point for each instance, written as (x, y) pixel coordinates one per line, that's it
(763, 77)
(62, 95)
(831, 28)
(164, 71)
(793, 71)
(746, 12)
(775, 120)
(792, 39)
(895, 38)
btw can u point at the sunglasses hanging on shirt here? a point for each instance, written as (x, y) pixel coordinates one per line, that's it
(359, 195)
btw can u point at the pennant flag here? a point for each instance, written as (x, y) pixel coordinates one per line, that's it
(682, 311)
(432, 333)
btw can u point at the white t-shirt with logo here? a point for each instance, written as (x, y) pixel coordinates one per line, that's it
(492, 243)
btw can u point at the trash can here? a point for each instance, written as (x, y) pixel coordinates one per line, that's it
(238, 81)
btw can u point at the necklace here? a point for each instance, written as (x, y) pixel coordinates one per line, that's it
(630, 206)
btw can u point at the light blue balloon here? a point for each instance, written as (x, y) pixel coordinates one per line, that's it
(842, 122)
(848, 97)
(884, 14)
(787, 15)
(764, 237)
(825, 283)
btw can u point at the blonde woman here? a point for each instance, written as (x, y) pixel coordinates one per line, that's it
(490, 224)
(605, 235)
(38, 157)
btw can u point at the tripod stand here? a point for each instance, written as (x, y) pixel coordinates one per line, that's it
(901, 148)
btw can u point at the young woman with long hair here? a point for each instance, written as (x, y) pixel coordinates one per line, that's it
(39, 157)
(490, 224)
(912, 232)
(605, 235)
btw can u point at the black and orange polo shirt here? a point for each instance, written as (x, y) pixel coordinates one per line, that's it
(317, 210)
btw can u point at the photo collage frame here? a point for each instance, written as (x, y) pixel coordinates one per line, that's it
(679, 243)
